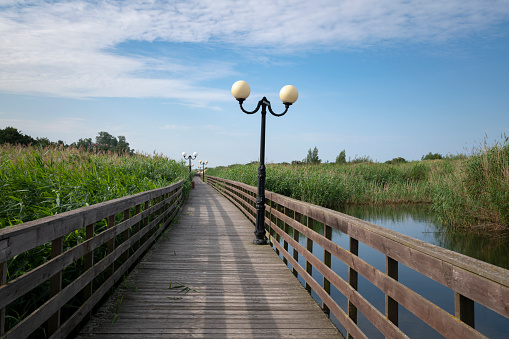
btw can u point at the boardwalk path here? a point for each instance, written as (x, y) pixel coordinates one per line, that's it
(238, 290)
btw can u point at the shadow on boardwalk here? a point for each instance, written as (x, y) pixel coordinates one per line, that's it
(222, 285)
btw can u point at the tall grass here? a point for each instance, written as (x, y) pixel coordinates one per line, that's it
(36, 182)
(333, 186)
(478, 193)
(465, 191)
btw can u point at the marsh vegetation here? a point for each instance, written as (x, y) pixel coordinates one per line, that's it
(466, 191)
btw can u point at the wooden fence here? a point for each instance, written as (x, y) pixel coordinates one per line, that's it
(114, 234)
(470, 279)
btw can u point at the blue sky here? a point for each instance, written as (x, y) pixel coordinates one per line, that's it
(383, 79)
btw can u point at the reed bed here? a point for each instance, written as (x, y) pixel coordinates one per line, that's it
(477, 194)
(467, 192)
(334, 186)
(36, 182)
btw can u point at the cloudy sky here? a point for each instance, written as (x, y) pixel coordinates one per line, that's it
(378, 78)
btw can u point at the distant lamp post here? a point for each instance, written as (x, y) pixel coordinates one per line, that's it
(288, 96)
(203, 163)
(184, 154)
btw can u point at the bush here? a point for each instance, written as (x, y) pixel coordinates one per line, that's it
(396, 161)
(432, 156)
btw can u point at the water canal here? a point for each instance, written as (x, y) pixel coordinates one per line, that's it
(415, 221)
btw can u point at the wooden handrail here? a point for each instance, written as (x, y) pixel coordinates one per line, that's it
(125, 240)
(471, 280)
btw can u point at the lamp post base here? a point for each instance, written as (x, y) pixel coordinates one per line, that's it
(258, 241)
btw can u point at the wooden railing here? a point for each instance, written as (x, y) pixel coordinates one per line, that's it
(129, 226)
(470, 279)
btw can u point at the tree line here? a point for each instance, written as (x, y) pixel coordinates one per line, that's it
(104, 141)
(313, 158)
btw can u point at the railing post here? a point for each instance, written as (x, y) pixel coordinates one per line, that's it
(269, 215)
(153, 230)
(353, 280)
(464, 309)
(55, 284)
(391, 306)
(125, 235)
(3, 281)
(327, 230)
(309, 247)
(137, 227)
(278, 223)
(145, 222)
(88, 261)
(110, 246)
(286, 230)
(296, 217)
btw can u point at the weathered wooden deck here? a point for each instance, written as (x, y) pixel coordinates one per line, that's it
(236, 289)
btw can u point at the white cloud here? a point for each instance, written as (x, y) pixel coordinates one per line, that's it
(68, 48)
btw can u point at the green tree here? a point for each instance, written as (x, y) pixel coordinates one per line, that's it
(432, 156)
(104, 138)
(84, 143)
(122, 145)
(341, 158)
(312, 157)
(44, 142)
(11, 135)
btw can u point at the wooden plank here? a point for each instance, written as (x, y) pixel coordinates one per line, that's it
(110, 245)
(309, 247)
(87, 307)
(436, 317)
(484, 283)
(353, 280)
(326, 298)
(125, 234)
(296, 238)
(391, 305)
(3, 281)
(38, 317)
(346, 223)
(238, 289)
(373, 315)
(37, 276)
(327, 260)
(375, 237)
(53, 268)
(55, 284)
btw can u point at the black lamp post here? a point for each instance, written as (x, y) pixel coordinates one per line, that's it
(184, 154)
(203, 163)
(288, 95)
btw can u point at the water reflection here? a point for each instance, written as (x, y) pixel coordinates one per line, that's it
(418, 222)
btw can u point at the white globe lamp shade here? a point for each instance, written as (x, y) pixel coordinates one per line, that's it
(288, 94)
(184, 154)
(196, 154)
(241, 90)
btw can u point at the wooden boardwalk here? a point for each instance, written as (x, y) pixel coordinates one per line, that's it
(229, 288)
